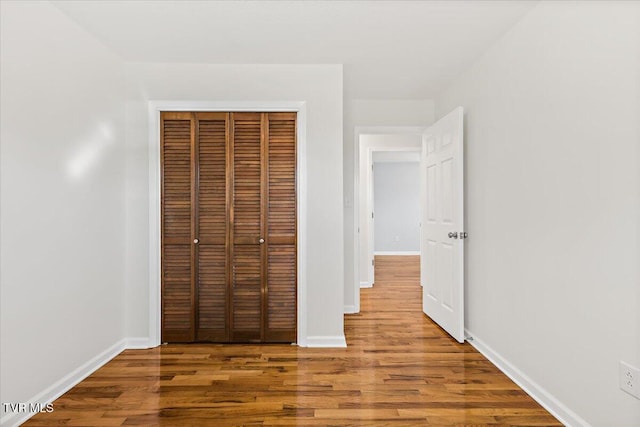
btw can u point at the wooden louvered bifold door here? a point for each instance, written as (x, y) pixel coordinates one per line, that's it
(280, 316)
(211, 227)
(247, 230)
(228, 227)
(177, 139)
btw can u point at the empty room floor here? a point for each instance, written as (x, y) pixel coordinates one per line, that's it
(399, 369)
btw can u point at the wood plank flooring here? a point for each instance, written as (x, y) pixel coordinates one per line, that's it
(399, 370)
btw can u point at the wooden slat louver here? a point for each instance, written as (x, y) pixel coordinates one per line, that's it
(247, 219)
(282, 175)
(247, 171)
(281, 323)
(212, 280)
(281, 225)
(176, 213)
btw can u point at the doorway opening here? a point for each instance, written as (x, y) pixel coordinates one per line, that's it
(441, 210)
(396, 219)
(377, 145)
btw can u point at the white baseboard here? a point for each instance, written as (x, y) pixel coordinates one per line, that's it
(350, 309)
(559, 410)
(65, 384)
(137, 343)
(366, 285)
(397, 253)
(327, 341)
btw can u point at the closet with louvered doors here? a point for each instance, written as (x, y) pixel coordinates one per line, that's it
(228, 219)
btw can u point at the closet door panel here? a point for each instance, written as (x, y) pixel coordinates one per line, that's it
(212, 219)
(282, 175)
(229, 244)
(212, 178)
(246, 182)
(247, 227)
(281, 309)
(281, 306)
(247, 293)
(176, 220)
(177, 294)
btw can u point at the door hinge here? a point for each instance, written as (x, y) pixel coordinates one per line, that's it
(373, 262)
(371, 215)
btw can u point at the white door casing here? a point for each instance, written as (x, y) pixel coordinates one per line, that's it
(442, 240)
(154, 109)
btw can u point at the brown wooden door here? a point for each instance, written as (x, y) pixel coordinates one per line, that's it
(281, 254)
(248, 227)
(211, 227)
(228, 227)
(177, 140)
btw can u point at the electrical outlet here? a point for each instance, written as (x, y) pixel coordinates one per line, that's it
(629, 379)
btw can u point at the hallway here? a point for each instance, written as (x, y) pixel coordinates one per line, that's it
(399, 370)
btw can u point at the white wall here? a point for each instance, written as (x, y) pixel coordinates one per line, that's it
(396, 204)
(62, 209)
(368, 112)
(553, 202)
(320, 86)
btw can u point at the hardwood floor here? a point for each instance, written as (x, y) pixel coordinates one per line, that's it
(399, 370)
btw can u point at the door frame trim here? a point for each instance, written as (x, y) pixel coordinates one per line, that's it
(154, 109)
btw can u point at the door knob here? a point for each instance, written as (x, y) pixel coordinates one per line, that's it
(261, 240)
(453, 234)
(196, 241)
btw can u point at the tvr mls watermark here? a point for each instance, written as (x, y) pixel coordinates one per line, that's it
(27, 407)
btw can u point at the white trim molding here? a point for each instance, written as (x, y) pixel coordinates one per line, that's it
(365, 285)
(350, 309)
(559, 410)
(397, 253)
(154, 109)
(338, 341)
(137, 343)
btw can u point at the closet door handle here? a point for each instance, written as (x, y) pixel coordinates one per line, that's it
(261, 241)
(196, 241)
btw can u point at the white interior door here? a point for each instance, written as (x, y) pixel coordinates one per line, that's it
(442, 246)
